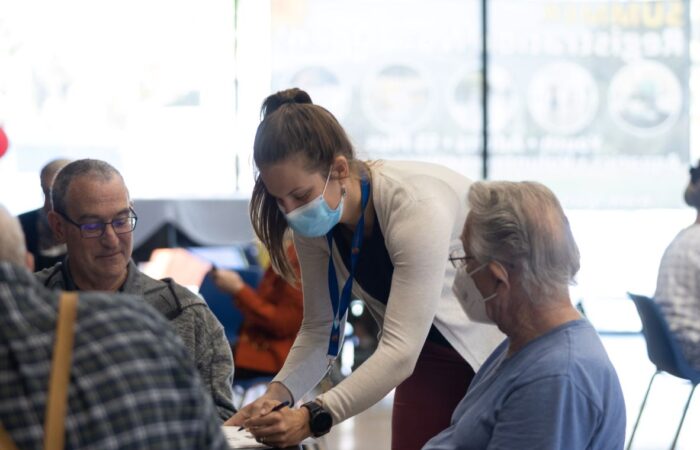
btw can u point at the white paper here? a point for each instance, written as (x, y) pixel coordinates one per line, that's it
(241, 439)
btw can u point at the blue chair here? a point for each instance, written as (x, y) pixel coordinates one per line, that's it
(664, 351)
(221, 303)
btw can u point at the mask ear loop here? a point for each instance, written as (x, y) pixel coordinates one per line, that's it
(343, 191)
(477, 269)
(328, 178)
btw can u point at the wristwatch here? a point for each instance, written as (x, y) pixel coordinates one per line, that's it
(320, 420)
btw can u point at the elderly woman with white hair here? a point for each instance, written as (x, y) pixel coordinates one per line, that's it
(550, 384)
(678, 282)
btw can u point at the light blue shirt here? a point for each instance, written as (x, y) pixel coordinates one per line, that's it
(560, 391)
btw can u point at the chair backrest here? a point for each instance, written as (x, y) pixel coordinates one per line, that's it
(221, 303)
(662, 347)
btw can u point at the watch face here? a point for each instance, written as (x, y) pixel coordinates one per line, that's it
(322, 422)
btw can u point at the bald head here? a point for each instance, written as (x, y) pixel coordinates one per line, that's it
(12, 247)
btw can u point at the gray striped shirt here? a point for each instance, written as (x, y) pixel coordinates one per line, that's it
(678, 291)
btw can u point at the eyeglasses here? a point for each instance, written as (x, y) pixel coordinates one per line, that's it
(121, 225)
(459, 259)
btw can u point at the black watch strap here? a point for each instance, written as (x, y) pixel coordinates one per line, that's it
(320, 420)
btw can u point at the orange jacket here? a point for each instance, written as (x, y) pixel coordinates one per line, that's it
(272, 316)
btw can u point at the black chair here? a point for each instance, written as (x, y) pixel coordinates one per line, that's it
(665, 352)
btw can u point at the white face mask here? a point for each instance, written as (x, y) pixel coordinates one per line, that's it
(469, 297)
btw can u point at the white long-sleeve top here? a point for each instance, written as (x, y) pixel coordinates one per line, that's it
(678, 291)
(421, 209)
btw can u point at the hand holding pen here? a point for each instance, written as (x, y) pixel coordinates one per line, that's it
(276, 408)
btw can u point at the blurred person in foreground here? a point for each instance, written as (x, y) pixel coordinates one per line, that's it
(550, 384)
(93, 215)
(35, 223)
(678, 282)
(131, 385)
(272, 315)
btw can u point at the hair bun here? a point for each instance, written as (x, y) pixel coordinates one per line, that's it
(289, 96)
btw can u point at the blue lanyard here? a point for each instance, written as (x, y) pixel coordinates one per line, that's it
(340, 302)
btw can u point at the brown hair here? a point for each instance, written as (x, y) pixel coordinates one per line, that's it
(291, 126)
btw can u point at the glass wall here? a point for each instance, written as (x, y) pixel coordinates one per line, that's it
(600, 102)
(602, 117)
(593, 98)
(148, 86)
(401, 76)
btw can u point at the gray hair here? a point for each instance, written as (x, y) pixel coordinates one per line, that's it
(522, 224)
(80, 168)
(12, 246)
(49, 171)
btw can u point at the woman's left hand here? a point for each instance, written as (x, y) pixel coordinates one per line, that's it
(283, 428)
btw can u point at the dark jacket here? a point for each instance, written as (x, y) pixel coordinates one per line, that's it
(29, 222)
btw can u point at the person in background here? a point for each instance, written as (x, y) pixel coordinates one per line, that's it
(35, 224)
(92, 214)
(376, 231)
(272, 315)
(132, 383)
(550, 384)
(678, 282)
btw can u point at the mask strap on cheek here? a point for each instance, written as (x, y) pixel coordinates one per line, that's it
(477, 269)
(328, 178)
(492, 296)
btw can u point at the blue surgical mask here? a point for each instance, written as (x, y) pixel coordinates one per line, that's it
(315, 218)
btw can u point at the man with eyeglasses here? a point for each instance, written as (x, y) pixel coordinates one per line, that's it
(146, 394)
(92, 214)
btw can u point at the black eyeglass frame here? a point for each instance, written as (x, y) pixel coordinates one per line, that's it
(132, 217)
(459, 259)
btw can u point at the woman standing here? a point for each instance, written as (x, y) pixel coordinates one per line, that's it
(378, 231)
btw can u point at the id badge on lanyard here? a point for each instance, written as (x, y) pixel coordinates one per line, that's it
(340, 300)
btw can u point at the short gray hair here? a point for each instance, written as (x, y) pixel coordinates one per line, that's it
(523, 224)
(76, 169)
(49, 171)
(12, 246)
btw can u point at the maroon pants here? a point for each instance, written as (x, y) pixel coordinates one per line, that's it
(424, 402)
